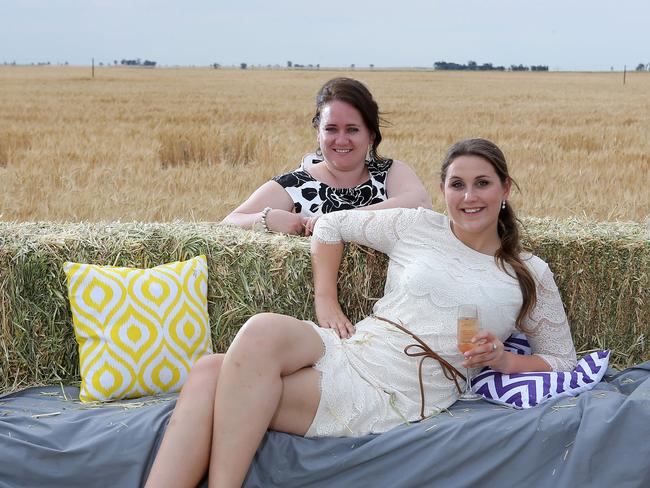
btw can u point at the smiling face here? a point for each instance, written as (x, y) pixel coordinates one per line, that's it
(343, 136)
(473, 194)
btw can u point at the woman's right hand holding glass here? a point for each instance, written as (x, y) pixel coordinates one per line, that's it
(487, 351)
(330, 316)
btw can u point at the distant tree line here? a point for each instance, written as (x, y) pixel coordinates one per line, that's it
(137, 62)
(643, 67)
(40, 63)
(291, 64)
(474, 66)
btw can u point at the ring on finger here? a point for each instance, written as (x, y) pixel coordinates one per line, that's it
(494, 346)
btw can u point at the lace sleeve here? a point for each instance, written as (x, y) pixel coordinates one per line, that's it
(548, 328)
(378, 229)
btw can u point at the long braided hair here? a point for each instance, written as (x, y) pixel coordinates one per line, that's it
(508, 224)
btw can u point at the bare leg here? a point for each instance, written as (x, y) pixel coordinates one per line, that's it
(299, 402)
(265, 380)
(189, 429)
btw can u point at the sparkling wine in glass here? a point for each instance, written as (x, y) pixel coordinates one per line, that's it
(468, 327)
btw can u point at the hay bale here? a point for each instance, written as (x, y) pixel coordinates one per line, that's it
(601, 269)
(603, 272)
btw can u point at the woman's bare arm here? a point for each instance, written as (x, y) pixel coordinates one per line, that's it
(280, 219)
(326, 259)
(404, 189)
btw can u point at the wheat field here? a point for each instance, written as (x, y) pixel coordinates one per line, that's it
(191, 144)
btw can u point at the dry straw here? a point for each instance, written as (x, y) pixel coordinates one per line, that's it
(208, 147)
(202, 140)
(601, 269)
(10, 143)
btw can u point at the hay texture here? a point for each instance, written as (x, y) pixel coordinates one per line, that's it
(601, 269)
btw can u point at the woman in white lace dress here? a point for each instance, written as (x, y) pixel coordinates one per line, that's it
(338, 379)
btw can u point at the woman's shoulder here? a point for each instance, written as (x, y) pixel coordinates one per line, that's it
(433, 218)
(536, 264)
(424, 218)
(427, 221)
(403, 213)
(380, 167)
(294, 178)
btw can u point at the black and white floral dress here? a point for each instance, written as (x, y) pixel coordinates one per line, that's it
(313, 198)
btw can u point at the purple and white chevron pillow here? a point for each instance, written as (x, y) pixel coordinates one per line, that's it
(518, 343)
(526, 390)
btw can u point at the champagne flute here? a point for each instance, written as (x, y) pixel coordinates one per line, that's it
(468, 327)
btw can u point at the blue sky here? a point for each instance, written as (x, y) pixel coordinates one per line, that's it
(562, 34)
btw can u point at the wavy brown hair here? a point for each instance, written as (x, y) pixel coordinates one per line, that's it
(508, 224)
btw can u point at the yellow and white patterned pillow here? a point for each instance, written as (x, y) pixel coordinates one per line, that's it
(139, 330)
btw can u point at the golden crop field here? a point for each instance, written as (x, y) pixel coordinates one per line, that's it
(165, 144)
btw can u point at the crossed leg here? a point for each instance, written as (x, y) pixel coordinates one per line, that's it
(229, 401)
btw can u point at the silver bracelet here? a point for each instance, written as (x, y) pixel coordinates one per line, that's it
(265, 212)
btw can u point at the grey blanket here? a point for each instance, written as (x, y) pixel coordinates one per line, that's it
(601, 438)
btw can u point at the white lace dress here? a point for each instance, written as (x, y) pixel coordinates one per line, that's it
(368, 384)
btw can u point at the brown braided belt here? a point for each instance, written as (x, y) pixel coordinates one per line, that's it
(424, 351)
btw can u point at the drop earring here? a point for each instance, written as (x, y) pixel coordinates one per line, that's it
(503, 204)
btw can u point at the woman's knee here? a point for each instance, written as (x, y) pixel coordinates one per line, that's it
(276, 341)
(208, 363)
(196, 401)
(261, 326)
(205, 371)
(263, 334)
(263, 319)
